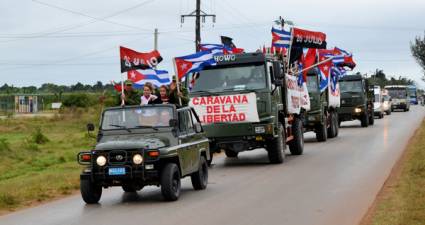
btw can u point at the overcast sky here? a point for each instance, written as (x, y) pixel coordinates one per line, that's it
(69, 41)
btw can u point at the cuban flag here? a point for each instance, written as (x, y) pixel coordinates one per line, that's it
(193, 63)
(213, 48)
(280, 38)
(336, 73)
(324, 72)
(301, 79)
(141, 77)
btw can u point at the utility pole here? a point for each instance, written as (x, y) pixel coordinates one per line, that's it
(155, 39)
(198, 14)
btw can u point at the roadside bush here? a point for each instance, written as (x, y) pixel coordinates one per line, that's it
(4, 145)
(78, 100)
(38, 137)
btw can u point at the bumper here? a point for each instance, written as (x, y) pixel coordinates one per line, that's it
(399, 106)
(346, 113)
(133, 175)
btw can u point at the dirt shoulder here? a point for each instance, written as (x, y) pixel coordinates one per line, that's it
(402, 197)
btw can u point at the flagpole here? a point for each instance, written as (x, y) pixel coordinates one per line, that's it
(122, 91)
(177, 81)
(317, 64)
(290, 47)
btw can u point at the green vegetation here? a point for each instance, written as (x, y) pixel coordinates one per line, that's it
(38, 159)
(403, 202)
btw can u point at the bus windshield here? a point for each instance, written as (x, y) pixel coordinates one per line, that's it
(397, 92)
(241, 77)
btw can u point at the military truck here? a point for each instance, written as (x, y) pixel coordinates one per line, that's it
(400, 97)
(322, 118)
(356, 100)
(246, 102)
(139, 146)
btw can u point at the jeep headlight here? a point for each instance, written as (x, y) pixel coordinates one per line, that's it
(137, 159)
(358, 110)
(260, 130)
(101, 160)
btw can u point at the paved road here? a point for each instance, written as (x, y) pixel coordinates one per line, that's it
(332, 183)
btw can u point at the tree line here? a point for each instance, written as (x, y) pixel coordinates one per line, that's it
(49, 88)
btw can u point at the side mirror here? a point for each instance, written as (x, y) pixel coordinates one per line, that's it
(173, 123)
(90, 127)
(278, 71)
(198, 128)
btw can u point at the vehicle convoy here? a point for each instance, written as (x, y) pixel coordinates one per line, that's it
(400, 97)
(246, 102)
(413, 92)
(322, 118)
(356, 100)
(145, 145)
(378, 102)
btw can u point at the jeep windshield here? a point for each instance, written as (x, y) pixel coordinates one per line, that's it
(397, 92)
(132, 118)
(353, 86)
(230, 78)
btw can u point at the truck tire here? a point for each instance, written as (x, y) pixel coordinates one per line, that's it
(371, 119)
(322, 131)
(170, 182)
(275, 149)
(90, 192)
(231, 154)
(200, 178)
(381, 115)
(333, 126)
(212, 150)
(128, 188)
(337, 124)
(296, 145)
(388, 112)
(365, 120)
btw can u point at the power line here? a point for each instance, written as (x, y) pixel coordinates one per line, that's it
(72, 27)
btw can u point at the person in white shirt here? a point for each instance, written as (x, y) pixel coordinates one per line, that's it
(147, 97)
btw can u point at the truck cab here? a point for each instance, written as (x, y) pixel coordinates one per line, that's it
(356, 100)
(241, 103)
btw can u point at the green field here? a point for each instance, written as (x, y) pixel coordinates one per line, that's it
(402, 201)
(38, 156)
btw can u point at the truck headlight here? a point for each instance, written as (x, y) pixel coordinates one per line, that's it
(358, 110)
(137, 159)
(311, 118)
(260, 130)
(101, 160)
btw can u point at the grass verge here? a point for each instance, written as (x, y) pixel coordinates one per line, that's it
(402, 199)
(38, 157)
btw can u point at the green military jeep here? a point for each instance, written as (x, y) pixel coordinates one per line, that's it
(145, 145)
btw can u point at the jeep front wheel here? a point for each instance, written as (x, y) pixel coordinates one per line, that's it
(200, 178)
(276, 147)
(128, 188)
(365, 120)
(170, 182)
(90, 192)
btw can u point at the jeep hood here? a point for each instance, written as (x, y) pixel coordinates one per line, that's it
(117, 142)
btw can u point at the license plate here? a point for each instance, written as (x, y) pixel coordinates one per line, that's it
(117, 171)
